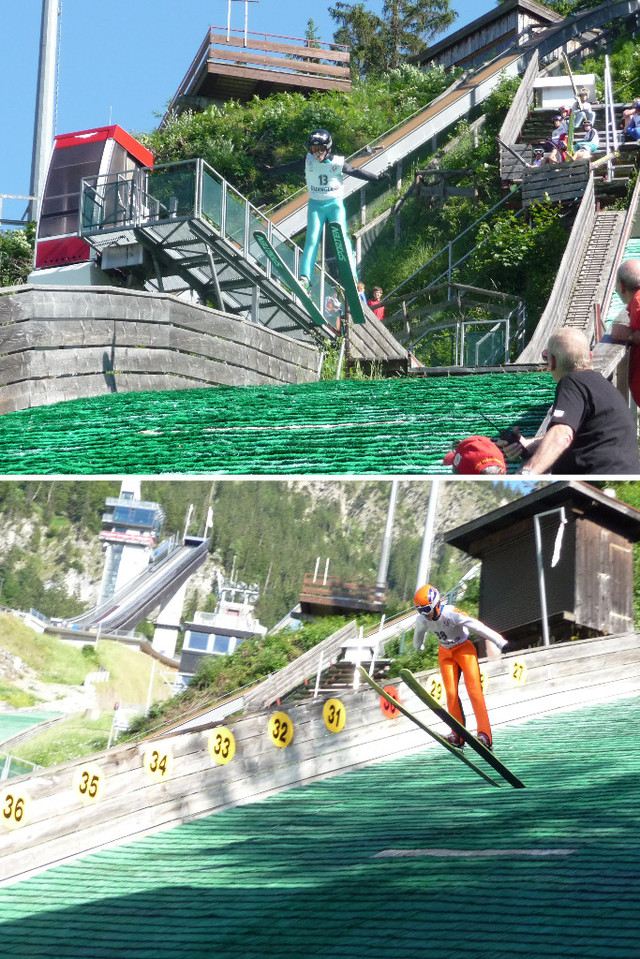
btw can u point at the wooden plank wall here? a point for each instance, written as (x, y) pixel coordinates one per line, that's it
(295, 58)
(556, 307)
(560, 182)
(518, 111)
(58, 823)
(62, 343)
(371, 342)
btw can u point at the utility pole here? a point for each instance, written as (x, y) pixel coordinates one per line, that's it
(45, 105)
(383, 566)
(424, 565)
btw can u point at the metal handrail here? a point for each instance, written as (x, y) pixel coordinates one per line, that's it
(447, 249)
(140, 199)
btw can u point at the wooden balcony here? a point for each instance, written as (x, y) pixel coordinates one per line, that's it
(325, 596)
(232, 65)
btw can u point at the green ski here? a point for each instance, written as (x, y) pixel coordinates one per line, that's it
(349, 280)
(416, 687)
(427, 729)
(288, 278)
(571, 134)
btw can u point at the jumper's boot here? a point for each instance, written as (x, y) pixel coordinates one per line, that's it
(455, 740)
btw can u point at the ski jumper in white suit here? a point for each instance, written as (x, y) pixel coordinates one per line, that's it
(325, 183)
(456, 655)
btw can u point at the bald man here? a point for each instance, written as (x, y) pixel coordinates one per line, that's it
(628, 289)
(590, 428)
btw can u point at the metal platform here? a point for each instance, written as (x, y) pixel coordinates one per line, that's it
(181, 227)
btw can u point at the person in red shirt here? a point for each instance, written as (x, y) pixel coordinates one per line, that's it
(374, 303)
(628, 289)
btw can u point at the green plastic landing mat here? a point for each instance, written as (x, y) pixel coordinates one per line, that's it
(403, 859)
(373, 426)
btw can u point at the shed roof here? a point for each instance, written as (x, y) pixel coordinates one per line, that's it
(401, 858)
(498, 12)
(602, 508)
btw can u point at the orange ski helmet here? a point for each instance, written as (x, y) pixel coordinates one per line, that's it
(426, 599)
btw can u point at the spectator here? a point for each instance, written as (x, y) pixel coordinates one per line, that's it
(588, 143)
(476, 455)
(590, 427)
(333, 312)
(632, 122)
(538, 156)
(375, 301)
(361, 293)
(628, 289)
(582, 108)
(558, 138)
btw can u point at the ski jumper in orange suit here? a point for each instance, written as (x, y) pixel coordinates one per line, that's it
(456, 655)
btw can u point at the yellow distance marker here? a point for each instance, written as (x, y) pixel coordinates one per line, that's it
(14, 808)
(88, 784)
(158, 763)
(518, 671)
(334, 715)
(222, 745)
(280, 730)
(435, 686)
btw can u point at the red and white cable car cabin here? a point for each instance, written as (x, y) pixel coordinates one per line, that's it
(88, 153)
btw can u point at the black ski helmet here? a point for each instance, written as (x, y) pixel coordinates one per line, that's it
(320, 138)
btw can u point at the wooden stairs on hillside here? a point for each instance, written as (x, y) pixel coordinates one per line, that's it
(566, 181)
(338, 677)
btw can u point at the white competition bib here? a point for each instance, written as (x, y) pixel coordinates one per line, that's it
(324, 179)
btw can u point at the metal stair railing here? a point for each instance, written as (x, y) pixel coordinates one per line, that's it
(448, 250)
(189, 215)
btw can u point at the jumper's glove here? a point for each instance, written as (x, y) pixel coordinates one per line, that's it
(507, 648)
(385, 175)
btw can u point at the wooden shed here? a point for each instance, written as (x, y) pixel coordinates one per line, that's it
(511, 22)
(587, 563)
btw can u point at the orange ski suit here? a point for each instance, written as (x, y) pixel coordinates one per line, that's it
(464, 659)
(457, 655)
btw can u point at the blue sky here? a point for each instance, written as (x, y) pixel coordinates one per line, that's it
(122, 60)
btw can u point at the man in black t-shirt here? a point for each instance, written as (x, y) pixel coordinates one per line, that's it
(590, 428)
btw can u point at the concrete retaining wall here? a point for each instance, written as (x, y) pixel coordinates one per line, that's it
(62, 343)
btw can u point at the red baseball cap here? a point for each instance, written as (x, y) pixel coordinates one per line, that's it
(475, 455)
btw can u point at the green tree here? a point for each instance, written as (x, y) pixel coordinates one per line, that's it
(382, 43)
(16, 255)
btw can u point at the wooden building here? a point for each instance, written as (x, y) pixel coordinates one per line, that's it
(332, 596)
(587, 565)
(512, 22)
(237, 65)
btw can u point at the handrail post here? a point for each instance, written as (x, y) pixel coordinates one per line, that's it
(223, 210)
(199, 179)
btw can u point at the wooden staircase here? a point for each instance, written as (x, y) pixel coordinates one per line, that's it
(539, 127)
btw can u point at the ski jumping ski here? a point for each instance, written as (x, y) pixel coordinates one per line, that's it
(288, 278)
(416, 687)
(347, 275)
(427, 729)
